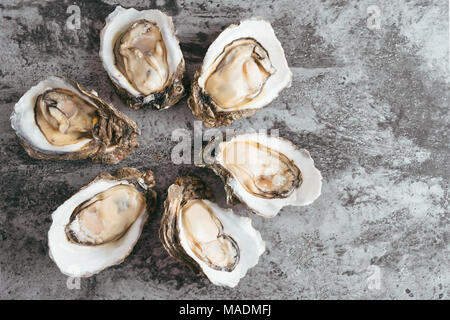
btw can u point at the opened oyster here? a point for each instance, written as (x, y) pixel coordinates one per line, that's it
(58, 119)
(264, 172)
(206, 237)
(142, 57)
(243, 70)
(100, 224)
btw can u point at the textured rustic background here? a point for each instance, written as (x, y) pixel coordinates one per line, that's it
(372, 107)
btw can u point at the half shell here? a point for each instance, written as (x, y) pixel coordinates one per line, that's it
(107, 135)
(82, 259)
(138, 46)
(196, 231)
(243, 70)
(264, 172)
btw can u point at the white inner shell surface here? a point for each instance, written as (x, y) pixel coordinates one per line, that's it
(262, 32)
(117, 23)
(305, 194)
(78, 260)
(249, 241)
(24, 123)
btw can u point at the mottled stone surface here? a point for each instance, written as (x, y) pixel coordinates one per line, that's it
(372, 107)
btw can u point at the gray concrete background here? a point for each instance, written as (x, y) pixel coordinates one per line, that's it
(372, 107)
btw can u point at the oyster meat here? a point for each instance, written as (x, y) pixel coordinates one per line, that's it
(264, 172)
(243, 70)
(142, 57)
(99, 225)
(58, 119)
(206, 237)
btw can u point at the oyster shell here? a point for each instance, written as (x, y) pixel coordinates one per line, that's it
(264, 172)
(100, 224)
(207, 238)
(59, 119)
(141, 54)
(243, 70)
